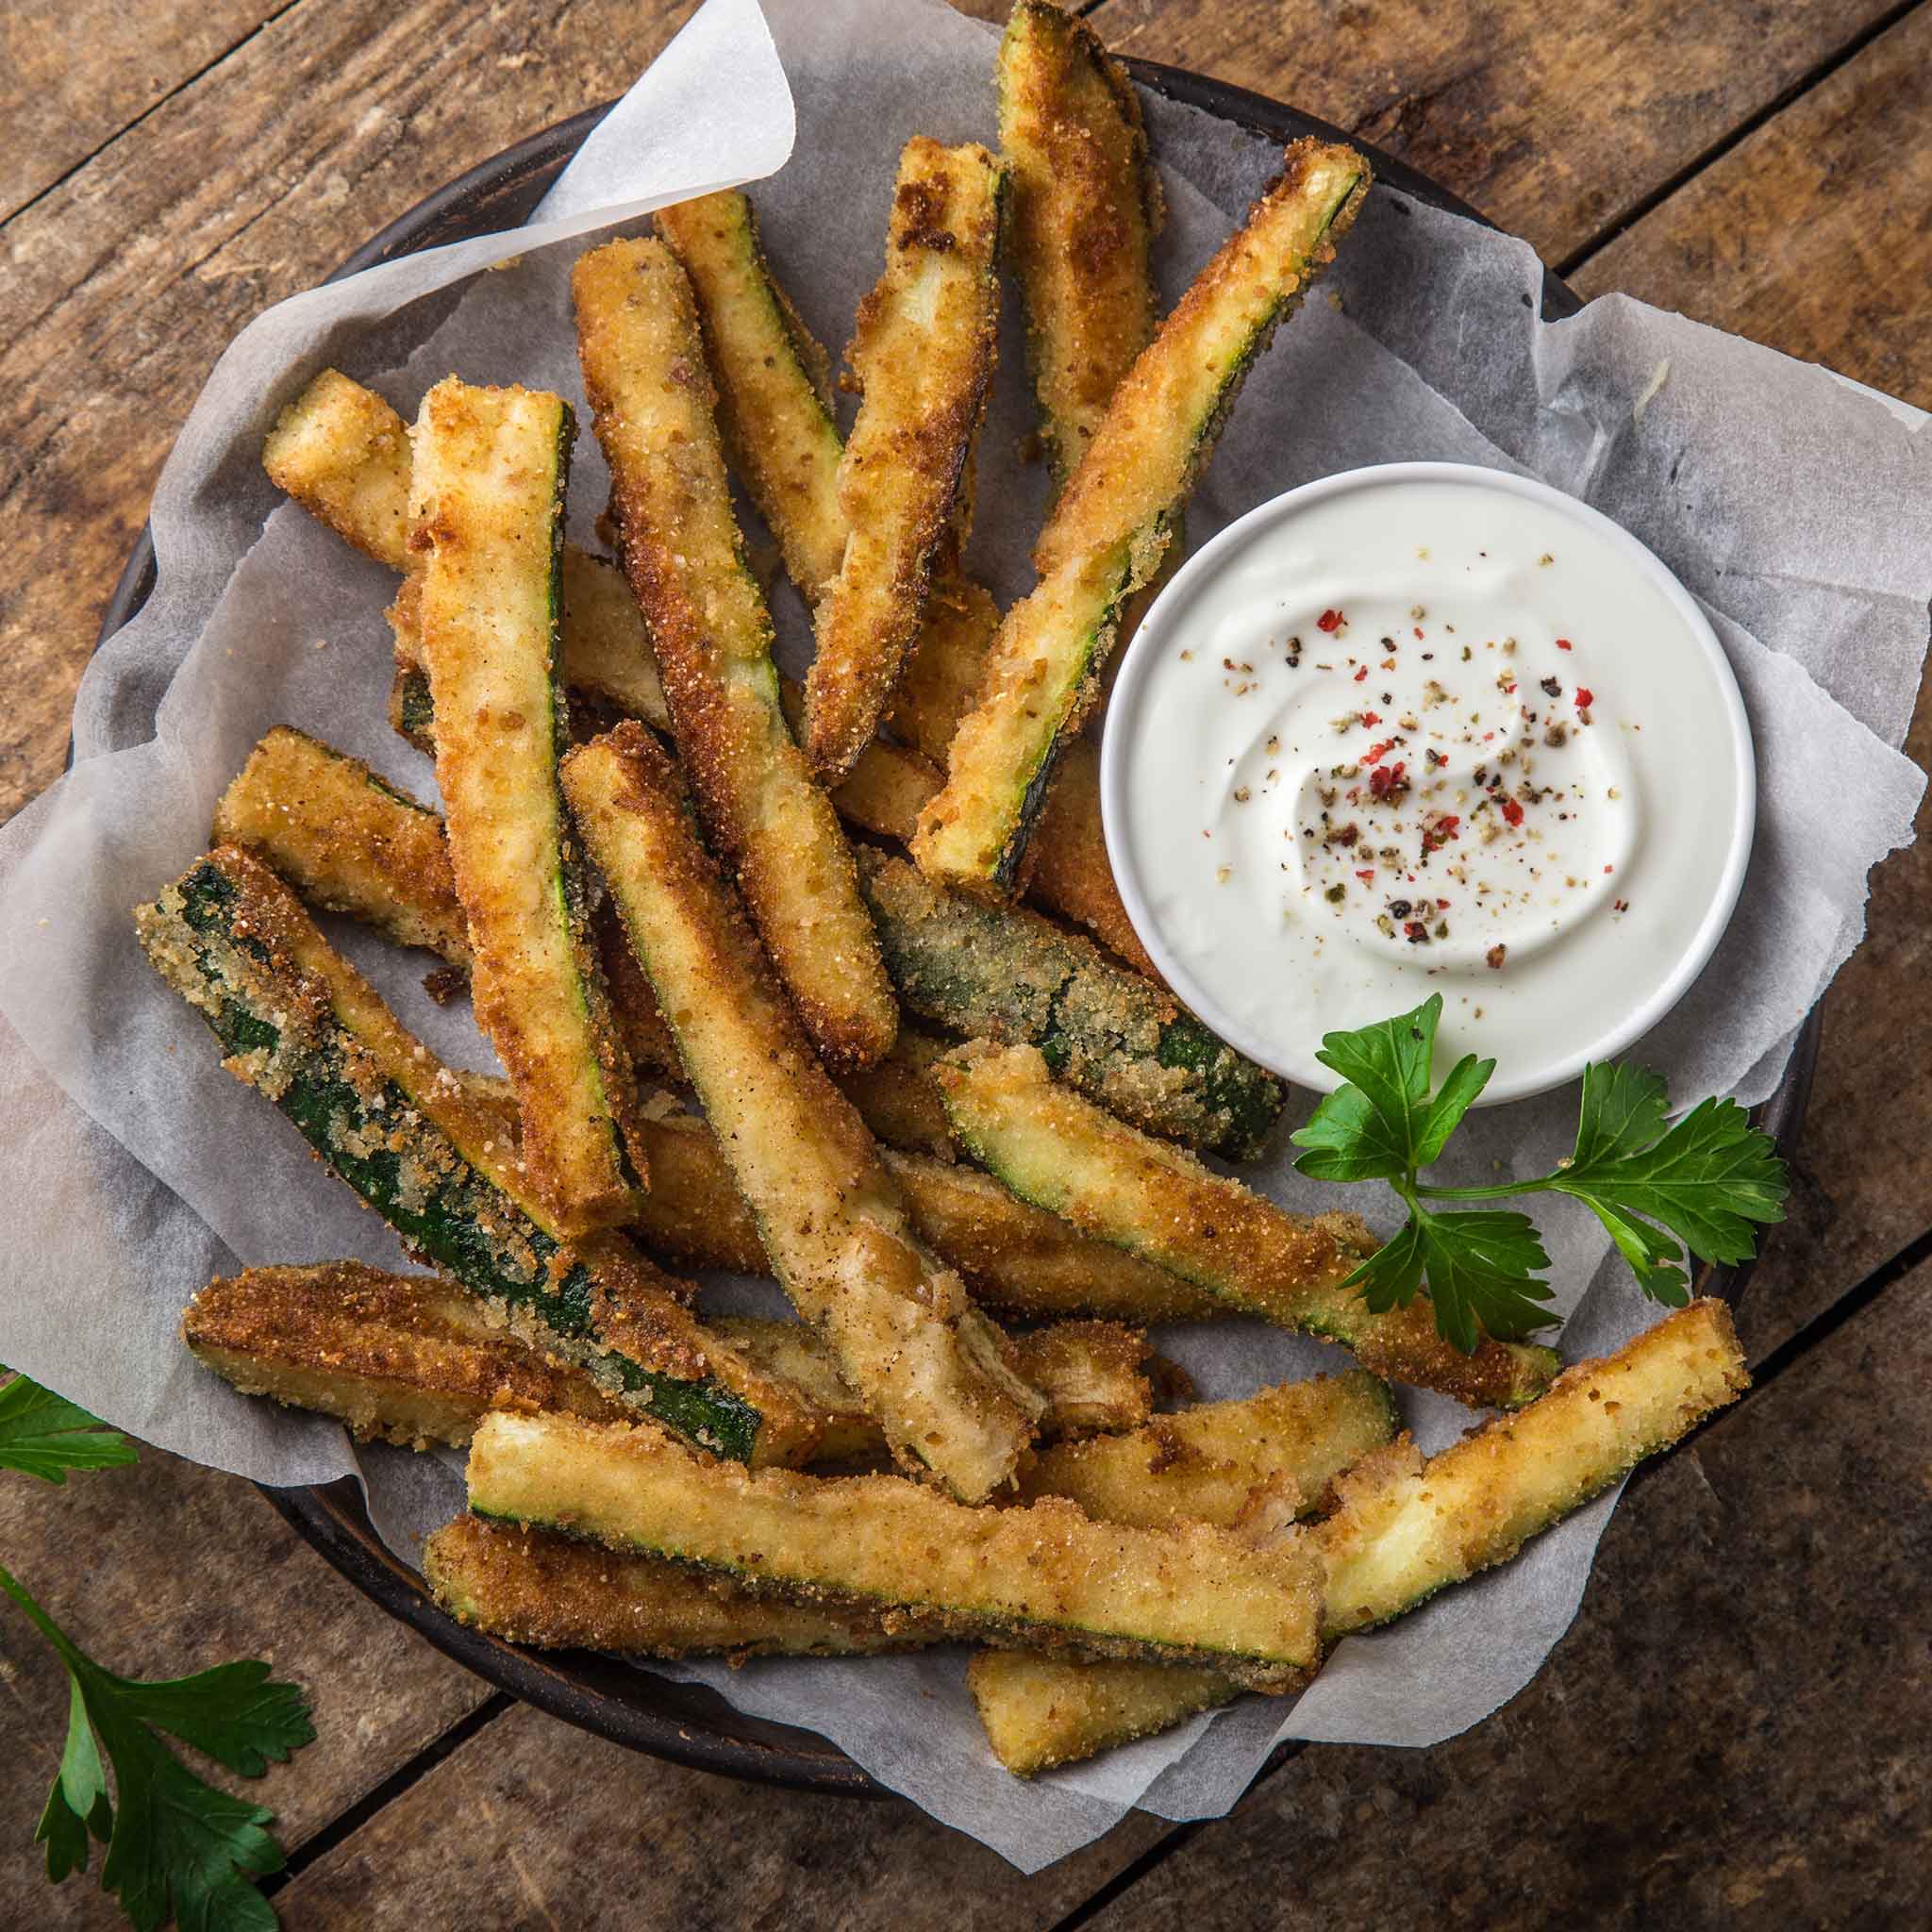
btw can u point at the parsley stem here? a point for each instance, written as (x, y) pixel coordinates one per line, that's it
(1501, 1192)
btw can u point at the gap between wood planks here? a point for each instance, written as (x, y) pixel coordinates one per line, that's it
(1648, 204)
(153, 107)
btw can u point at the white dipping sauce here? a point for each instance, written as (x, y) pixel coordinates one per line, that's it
(1429, 730)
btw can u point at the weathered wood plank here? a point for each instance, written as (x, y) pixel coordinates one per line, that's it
(1860, 1193)
(119, 288)
(75, 72)
(1730, 1734)
(532, 1824)
(1814, 234)
(167, 1568)
(1552, 116)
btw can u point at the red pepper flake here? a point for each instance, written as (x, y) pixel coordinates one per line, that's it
(1371, 718)
(1443, 903)
(1608, 869)
(1512, 811)
(1362, 675)
(1330, 621)
(1621, 906)
(1387, 779)
(1418, 630)
(1564, 645)
(1368, 878)
(1417, 933)
(1376, 753)
(1583, 698)
(1440, 834)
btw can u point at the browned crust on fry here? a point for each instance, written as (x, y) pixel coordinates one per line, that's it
(1087, 205)
(398, 1357)
(926, 370)
(1071, 872)
(555, 1592)
(646, 376)
(347, 840)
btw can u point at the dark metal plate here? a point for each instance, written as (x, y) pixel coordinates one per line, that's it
(688, 1722)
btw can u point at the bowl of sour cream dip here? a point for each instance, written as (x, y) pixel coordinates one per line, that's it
(1419, 728)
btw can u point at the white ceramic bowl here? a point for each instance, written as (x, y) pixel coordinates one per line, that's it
(1558, 1059)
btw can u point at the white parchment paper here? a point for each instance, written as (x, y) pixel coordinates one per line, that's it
(1792, 505)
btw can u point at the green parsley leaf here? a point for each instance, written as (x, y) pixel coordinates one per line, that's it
(1480, 1268)
(1707, 1179)
(175, 1845)
(45, 1435)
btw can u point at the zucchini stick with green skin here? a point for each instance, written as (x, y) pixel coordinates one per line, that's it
(411, 1359)
(1408, 1527)
(644, 371)
(487, 500)
(1110, 529)
(784, 443)
(1086, 208)
(922, 355)
(1003, 974)
(1043, 1574)
(431, 1156)
(1062, 1152)
(910, 1340)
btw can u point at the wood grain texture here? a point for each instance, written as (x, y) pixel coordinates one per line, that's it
(1552, 116)
(74, 74)
(1729, 1735)
(1814, 234)
(119, 289)
(530, 1825)
(1860, 1193)
(166, 1568)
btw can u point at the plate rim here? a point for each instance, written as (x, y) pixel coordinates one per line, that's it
(688, 1723)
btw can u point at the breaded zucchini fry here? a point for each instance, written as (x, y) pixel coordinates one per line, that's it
(1410, 1527)
(486, 499)
(343, 455)
(644, 373)
(1064, 1153)
(532, 1585)
(402, 1358)
(773, 378)
(1086, 208)
(1260, 1461)
(1041, 1711)
(1110, 529)
(1072, 873)
(409, 1359)
(922, 355)
(431, 1156)
(1003, 974)
(1407, 1527)
(347, 840)
(931, 1366)
(1043, 1574)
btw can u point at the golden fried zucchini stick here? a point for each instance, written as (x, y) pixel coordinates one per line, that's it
(429, 1152)
(487, 501)
(932, 1368)
(343, 455)
(785, 445)
(1086, 208)
(644, 373)
(1407, 1527)
(1043, 1574)
(1064, 1153)
(532, 1585)
(922, 357)
(773, 378)
(1112, 526)
(409, 1359)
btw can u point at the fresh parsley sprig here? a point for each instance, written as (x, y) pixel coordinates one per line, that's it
(176, 1846)
(1707, 1180)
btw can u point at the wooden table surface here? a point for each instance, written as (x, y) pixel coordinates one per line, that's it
(1734, 1730)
